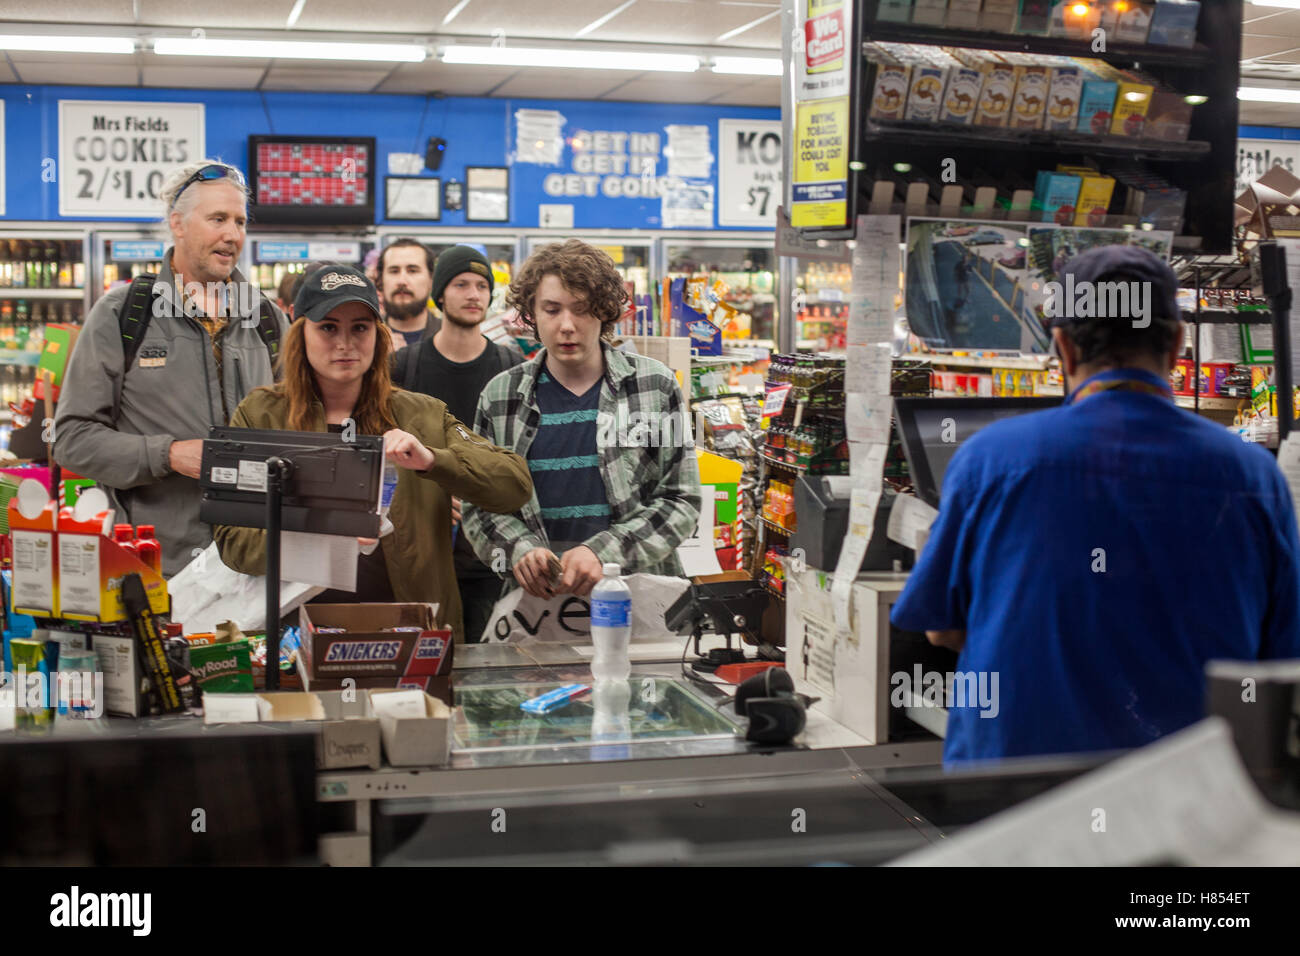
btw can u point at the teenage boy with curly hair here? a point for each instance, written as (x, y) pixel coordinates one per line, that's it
(603, 492)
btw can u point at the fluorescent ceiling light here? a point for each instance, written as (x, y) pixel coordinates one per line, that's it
(289, 49)
(66, 44)
(1264, 94)
(747, 65)
(1285, 4)
(571, 59)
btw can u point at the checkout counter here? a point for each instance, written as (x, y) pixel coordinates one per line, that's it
(519, 791)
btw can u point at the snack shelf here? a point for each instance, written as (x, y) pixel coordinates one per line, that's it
(773, 591)
(1116, 53)
(1229, 317)
(777, 463)
(968, 361)
(1209, 402)
(778, 528)
(1020, 140)
(17, 292)
(18, 357)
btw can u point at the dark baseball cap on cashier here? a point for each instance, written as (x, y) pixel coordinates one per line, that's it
(1123, 263)
(330, 286)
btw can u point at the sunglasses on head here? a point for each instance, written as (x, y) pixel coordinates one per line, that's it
(207, 174)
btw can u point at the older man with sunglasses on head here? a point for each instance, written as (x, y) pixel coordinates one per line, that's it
(162, 360)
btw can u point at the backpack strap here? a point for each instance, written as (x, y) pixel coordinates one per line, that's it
(268, 329)
(134, 316)
(132, 322)
(407, 358)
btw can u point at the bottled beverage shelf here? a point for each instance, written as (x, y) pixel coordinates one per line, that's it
(20, 292)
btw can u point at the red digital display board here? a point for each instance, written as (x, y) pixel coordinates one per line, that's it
(312, 180)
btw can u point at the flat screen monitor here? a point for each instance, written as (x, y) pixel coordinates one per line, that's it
(932, 429)
(312, 180)
(334, 488)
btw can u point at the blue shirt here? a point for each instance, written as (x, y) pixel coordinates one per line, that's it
(1097, 556)
(565, 465)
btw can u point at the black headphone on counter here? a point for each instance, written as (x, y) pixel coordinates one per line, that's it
(776, 713)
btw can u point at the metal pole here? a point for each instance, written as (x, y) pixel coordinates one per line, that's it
(1272, 269)
(277, 471)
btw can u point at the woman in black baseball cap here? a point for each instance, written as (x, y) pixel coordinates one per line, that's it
(335, 376)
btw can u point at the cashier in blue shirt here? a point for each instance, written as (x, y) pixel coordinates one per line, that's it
(1088, 560)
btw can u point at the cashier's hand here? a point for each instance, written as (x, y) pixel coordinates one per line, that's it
(406, 451)
(533, 572)
(455, 511)
(582, 571)
(186, 457)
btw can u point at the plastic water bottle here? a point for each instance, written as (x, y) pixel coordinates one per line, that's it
(611, 627)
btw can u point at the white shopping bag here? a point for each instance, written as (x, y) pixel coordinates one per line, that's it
(520, 617)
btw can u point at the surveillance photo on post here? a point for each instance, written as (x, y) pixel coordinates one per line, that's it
(650, 433)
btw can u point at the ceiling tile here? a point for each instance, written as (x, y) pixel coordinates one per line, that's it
(6, 74)
(98, 59)
(79, 74)
(674, 21)
(396, 16)
(83, 11)
(247, 15)
(435, 76)
(761, 91)
(225, 78)
(670, 88)
(561, 84)
(560, 21)
(320, 80)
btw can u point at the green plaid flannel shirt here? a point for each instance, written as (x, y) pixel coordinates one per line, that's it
(647, 458)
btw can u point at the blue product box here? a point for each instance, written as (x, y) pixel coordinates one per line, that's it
(1174, 23)
(1056, 191)
(1096, 105)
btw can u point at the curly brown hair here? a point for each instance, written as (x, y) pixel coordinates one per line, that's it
(586, 272)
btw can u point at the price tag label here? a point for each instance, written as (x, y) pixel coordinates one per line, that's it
(775, 401)
(113, 155)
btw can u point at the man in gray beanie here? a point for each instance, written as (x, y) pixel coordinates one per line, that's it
(454, 365)
(1089, 560)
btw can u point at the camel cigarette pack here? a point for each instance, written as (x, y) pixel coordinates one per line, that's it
(889, 96)
(962, 95)
(1063, 92)
(925, 99)
(997, 95)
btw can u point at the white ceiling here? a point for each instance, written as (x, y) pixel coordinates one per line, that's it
(1270, 51)
(738, 27)
(1270, 47)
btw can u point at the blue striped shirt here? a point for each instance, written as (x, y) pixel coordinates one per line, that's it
(565, 465)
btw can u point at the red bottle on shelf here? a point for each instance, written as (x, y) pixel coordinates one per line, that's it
(124, 536)
(148, 547)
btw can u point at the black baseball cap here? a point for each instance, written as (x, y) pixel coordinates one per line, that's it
(330, 286)
(1132, 263)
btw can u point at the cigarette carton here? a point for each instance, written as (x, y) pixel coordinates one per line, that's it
(1174, 23)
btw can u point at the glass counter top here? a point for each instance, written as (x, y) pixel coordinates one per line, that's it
(639, 711)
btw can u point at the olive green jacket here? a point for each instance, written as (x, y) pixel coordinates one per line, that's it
(418, 553)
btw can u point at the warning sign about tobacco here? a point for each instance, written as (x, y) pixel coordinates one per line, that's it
(820, 189)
